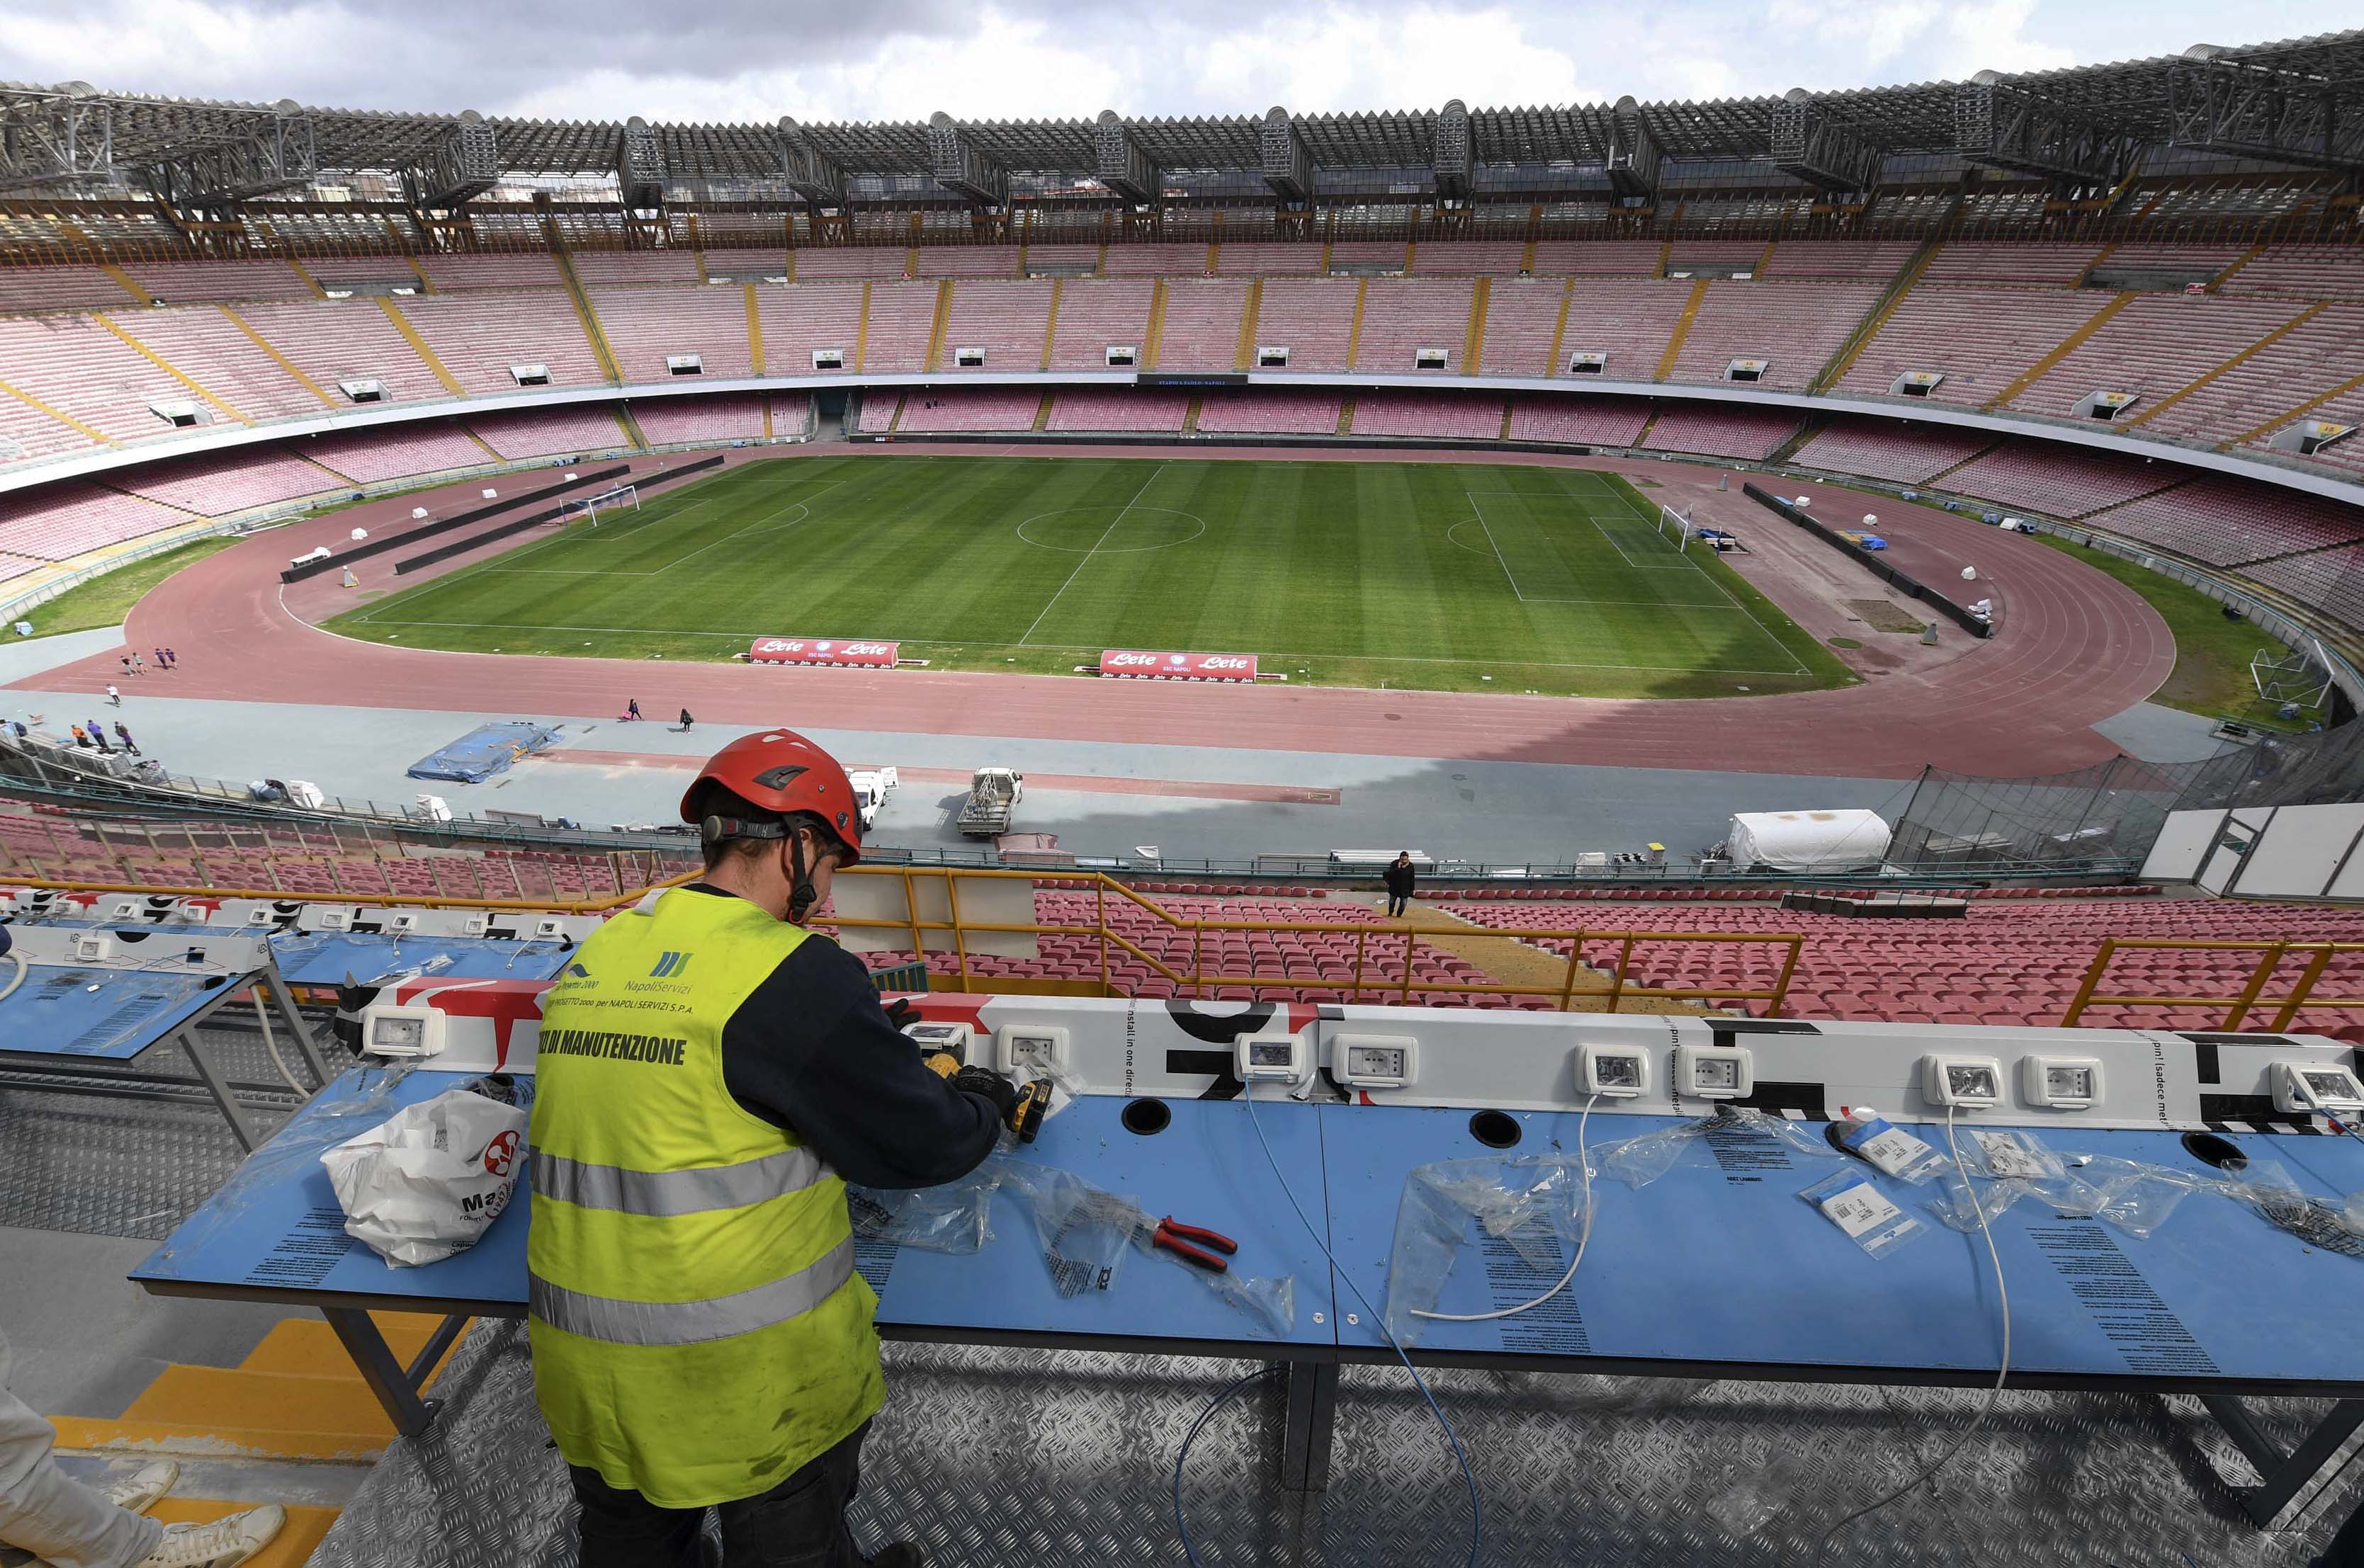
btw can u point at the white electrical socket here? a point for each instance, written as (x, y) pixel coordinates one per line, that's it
(1374, 1060)
(1613, 1072)
(2063, 1083)
(1964, 1081)
(1714, 1072)
(2302, 1088)
(1042, 1047)
(1286, 1056)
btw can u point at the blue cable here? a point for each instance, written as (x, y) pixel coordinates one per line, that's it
(1469, 1476)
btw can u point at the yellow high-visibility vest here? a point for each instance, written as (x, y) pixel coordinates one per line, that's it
(698, 1331)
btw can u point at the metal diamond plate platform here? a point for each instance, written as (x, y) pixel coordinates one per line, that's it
(1059, 1460)
(109, 1166)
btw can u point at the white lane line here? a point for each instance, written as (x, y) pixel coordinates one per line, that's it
(1086, 560)
(1496, 547)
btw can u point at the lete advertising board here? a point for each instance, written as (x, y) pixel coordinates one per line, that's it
(1135, 664)
(824, 650)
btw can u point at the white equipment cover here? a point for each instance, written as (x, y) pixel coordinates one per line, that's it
(1808, 840)
(426, 1183)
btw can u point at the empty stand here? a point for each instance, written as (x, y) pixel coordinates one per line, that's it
(1523, 320)
(2013, 261)
(223, 484)
(1981, 339)
(1202, 324)
(647, 325)
(2060, 482)
(1156, 260)
(2316, 271)
(454, 273)
(677, 421)
(601, 267)
(1796, 328)
(345, 341)
(984, 408)
(480, 337)
(550, 432)
(1447, 415)
(1684, 254)
(2312, 356)
(2330, 580)
(2158, 344)
(1630, 321)
(967, 261)
(1877, 261)
(2224, 522)
(86, 372)
(1886, 448)
(53, 522)
(1273, 260)
(206, 345)
(1468, 258)
(848, 262)
(1403, 316)
(1584, 421)
(1095, 313)
(806, 319)
(1007, 320)
(1270, 413)
(180, 283)
(26, 289)
(398, 451)
(1596, 258)
(1313, 319)
(1721, 430)
(902, 318)
(1146, 409)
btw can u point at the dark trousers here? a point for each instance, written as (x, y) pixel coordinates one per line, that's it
(1397, 903)
(800, 1523)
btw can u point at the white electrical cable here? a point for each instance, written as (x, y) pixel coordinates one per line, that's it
(1583, 1236)
(271, 1045)
(2002, 1293)
(2299, 1079)
(23, 969)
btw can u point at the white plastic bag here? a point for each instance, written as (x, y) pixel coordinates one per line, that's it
(426, 1183)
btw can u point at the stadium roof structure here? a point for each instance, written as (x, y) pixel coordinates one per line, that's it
(2295, 103)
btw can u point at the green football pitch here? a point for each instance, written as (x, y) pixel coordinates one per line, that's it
(1433, 575)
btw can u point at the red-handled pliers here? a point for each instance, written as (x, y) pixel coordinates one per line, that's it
(1186, 1242)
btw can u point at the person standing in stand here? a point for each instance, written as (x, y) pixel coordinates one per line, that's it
(1399, 878)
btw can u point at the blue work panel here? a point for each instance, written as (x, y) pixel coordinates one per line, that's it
(326, 958)
(277, 1227)
(67, 1010)
(1205, 1169)
(1719, 1262)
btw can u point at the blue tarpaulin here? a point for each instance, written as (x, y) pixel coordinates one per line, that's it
(484, 751)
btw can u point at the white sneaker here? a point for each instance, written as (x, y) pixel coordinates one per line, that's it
(141, 1490)
(224, 1543)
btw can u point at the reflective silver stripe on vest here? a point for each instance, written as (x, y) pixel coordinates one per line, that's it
(692, 1322)
(663, 1193)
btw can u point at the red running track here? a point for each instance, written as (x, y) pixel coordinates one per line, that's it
(2072, 646)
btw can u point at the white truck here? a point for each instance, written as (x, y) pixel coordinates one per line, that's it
(993, 797)
(871, 788)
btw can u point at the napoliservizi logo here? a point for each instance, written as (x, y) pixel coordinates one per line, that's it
(671, 966)
(577, 971)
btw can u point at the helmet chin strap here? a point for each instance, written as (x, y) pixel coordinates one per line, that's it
(802, 895)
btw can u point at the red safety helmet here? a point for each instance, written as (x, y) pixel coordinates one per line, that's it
(780, 771)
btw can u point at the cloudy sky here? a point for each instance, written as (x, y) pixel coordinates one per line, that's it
(755, 60)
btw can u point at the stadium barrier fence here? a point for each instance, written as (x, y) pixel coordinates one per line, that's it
(385, 543)
(1910, 586)
(2272, 951)
(548, 515)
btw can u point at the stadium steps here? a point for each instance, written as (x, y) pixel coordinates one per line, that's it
(1932, 481)
(1244, 355)
(1765, 257)
(124, 279)
(1875, 319)
(1559, 328)
(1154, 335)
(940, 327)
(754, 326)
(1665, 255)
(1354, 328)
(285, 363)
(1683, 323)
(2216, 283)
(1527, 251)
(2268, 340)
(1641, 435)
(419, 270)
(593, 332)
(2287, 415)
(634, 437)
(861, 329)
(2103, 254)
(1100, 262)
(427, 355)
(168, 367)
(1345, 417)
(1806, 432)
(306, 279)
(2061, 350)
(1190, 415)
(1043, 413)
(1473, 345)
(1050, 327)
(97, 436)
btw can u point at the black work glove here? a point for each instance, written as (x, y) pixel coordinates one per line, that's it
(901, 1012)
(993, 1086)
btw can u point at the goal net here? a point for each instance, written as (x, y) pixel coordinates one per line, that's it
(1674, 527)
(2298, 677)
(587, 509)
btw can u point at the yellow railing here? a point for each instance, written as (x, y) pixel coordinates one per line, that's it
(1373, 943)
(2251, 997)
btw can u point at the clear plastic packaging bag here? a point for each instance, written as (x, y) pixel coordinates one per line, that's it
(954, 1218)
(2268, 1191)
(2004, 1165)
(1637, 1162)
(1865, 1214)
(1752, 1496)
(1084, 1232)
(1532, 1202)
(1889, 1148)
(2135, 1197)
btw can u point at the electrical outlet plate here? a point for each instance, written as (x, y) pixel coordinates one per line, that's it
(1374, 1060)
(93, 947)
(476, 925)
(2334, 1089)
(932, 1037)
(336, 919)
(1714, 1072)
(2063, 1083)
(1965, 1081)
(402, 921)
(1040, 1047)
(1613, 1072)
(1286, 1056)
(403, 1031)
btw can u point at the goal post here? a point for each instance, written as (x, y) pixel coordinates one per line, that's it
(1675, 527)
(587, 509)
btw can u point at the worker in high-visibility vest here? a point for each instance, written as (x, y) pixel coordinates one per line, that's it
(709, 1077)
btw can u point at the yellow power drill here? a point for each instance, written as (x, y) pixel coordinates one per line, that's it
(945, 1048)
